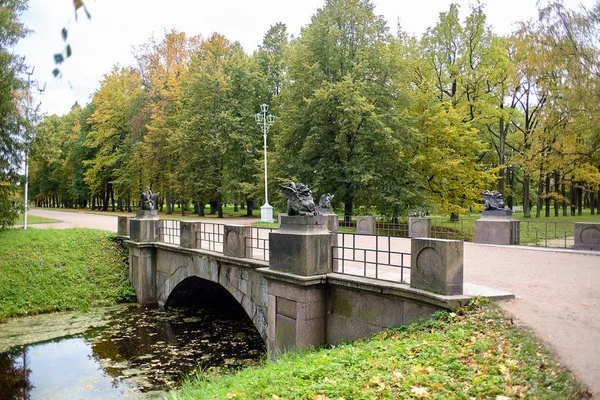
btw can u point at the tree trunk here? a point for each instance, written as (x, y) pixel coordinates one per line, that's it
(106, 199)
(219, 206)
(201, 207)
(579, 200)
(511, 185)
(573, 198)
(547, 198)
(592, 203)
(557, 190)
(249, 208)
(526, 205)
(563, 188)
(213, 207)
(112, 197)
(348, 204)
(540, 195)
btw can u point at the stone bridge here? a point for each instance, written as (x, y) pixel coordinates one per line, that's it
(301, 296)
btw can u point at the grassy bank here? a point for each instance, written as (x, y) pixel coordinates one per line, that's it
(473, 353)
(34, 219)
(56, 270)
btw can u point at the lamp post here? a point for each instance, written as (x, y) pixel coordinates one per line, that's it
(265, 121)
(28, 139)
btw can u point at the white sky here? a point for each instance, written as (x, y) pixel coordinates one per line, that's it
(119, 25)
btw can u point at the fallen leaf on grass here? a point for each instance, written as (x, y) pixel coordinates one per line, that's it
(230, 395)
(503, 398)
(419, 391)
(377, 381)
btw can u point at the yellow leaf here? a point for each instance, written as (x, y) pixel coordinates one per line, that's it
(502, 398)
(230, 395)
(397, 375)
(275, 397)
(419, 391)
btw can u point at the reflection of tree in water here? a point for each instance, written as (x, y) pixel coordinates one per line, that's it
(14, 379)
(164, 345)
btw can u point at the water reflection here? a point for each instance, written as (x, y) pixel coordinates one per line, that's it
(138, 351)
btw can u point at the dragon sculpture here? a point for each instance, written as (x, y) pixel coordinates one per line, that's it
(300, 200)
(148, 200)
(493, 200)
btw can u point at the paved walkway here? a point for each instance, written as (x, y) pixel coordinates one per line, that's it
(557, 291)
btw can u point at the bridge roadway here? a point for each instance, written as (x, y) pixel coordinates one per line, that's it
(557, 291)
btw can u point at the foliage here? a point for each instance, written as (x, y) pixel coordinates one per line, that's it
(12, 123)
(384, 122)
(474, 352)
(342, 124)
(56, 270)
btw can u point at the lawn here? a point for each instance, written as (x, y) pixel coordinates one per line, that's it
(46, 270)
(475, 352)
(32, 219)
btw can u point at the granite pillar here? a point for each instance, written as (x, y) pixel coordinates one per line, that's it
(587, 236)
(437, 265)
(497, 227)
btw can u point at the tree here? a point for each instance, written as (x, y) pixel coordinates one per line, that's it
(114, 164)
(342, 127)
(455, 91)
(556, 88)
(12, 124)
(163, 67)
(218, 134)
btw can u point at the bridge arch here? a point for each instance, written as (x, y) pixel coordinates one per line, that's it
(196, 279)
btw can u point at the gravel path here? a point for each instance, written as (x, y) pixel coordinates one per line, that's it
(557, 291)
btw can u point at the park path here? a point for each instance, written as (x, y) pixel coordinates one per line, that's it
(557, 291)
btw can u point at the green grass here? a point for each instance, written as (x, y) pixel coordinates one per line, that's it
(57, 270)
(32, 219)
(472, 353)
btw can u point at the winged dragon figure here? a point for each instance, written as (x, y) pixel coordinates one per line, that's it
(300, 200)
(493, 200)
(148, 200)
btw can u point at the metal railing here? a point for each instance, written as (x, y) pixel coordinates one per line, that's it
(168, 231)
(210, 236)
(257, 245)
(384, 226)
(546, 234)
(372, 256)
(460, 229)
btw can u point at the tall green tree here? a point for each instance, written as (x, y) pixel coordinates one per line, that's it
(12, 125)
(342, 127)
(219, 137)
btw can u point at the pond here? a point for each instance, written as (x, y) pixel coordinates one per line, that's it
(124, 352)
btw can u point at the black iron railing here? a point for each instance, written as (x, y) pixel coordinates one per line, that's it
(257, 245)
(168, 231)
(372, 256)
(210, 236)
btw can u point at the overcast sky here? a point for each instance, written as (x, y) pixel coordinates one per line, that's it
(117, 26)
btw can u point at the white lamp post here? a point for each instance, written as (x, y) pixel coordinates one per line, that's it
(265, 121)
(28, 139)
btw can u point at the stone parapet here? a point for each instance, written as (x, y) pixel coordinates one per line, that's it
(301, 246)
(366, 225)
(419, 227)
(123, 226)
(497, 228)
(332, 221)
(587, 236)
(187, 234)
(437, 265)
(234, 241)
(143, 229)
